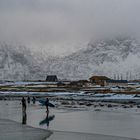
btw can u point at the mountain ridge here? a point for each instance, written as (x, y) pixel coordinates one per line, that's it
(100, 58)
(119, 56)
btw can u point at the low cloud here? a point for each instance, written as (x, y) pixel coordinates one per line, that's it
(60, 26)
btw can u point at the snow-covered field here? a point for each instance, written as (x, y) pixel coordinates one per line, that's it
(75, 95)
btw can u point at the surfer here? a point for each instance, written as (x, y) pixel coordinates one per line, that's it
(34, 100)
(23, 101)
(47, 104)
(28, 100)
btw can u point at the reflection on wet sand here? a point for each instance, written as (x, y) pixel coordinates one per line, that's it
(24, 117)
(47, 119)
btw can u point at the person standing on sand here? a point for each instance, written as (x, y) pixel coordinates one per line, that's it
(24, 116)
(23, 101)
(28, 100)
(34, 100)
(47, 104)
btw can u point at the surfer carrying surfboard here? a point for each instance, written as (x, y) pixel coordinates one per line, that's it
(46, 103)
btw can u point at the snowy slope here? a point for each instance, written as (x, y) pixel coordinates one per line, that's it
(17, 63)
(120, 56)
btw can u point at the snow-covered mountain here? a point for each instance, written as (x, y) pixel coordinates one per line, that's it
(119, 57)
(17, 63)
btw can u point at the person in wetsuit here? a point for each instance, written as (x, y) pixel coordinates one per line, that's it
(34, 100)
(28, 100)
(23, 101)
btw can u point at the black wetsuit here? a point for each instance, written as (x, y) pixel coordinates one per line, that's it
(34, 100)
(28, 99)
(23, 104)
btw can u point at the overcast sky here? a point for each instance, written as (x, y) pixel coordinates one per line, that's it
(63, 26)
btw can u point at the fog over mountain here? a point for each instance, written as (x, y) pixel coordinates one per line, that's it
(17, 63)
(118, 57)
(73, 39)
(62, 27)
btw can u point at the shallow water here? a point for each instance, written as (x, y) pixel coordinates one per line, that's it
(107, 122)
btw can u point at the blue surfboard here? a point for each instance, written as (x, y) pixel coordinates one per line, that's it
(43, 103)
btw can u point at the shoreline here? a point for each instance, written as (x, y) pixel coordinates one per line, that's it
(11, 130)
(103, 98)
(78, 119)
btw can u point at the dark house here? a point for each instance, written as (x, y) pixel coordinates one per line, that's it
(99, 80)
(51, 78)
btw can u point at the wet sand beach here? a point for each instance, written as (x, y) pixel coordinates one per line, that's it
(57, 135)
(10, 130)
(103, 123)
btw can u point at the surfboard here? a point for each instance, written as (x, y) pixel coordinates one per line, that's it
(43, 103)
